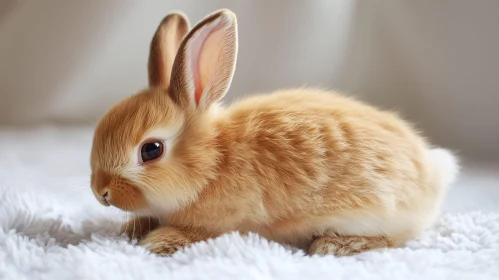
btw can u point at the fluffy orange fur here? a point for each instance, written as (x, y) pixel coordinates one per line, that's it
(304, 167)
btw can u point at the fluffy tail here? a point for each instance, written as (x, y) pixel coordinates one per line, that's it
(446, 165)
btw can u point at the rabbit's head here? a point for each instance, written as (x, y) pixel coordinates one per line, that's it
(154, 151)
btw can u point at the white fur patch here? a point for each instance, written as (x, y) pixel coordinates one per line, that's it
(446, 164)
(374, 224)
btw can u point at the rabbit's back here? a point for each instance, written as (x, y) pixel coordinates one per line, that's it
(327, 140)
(312, 153)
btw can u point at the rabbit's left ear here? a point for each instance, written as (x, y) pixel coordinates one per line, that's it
(164, 47)
(206, 61)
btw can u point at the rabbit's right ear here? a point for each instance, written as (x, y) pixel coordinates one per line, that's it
(205, 62)
(164, 47)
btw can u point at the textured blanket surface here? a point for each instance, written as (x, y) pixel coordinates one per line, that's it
(52, 228)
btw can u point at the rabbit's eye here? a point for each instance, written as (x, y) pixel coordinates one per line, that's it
(151, 151)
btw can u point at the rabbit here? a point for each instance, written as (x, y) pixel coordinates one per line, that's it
(304, 167)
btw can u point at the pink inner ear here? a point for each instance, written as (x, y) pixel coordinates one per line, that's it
(204, 54)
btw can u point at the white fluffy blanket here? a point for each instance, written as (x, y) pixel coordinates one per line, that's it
(51, 228)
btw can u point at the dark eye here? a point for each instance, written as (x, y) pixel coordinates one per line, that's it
(151, 150)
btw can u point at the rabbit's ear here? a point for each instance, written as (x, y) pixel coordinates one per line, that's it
(164, 47)
(206, 61)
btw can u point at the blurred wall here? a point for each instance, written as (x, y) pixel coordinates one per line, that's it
(436, 62)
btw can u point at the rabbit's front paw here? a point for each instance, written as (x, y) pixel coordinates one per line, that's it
(165, 241)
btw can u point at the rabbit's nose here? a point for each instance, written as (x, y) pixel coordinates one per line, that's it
(106, 196)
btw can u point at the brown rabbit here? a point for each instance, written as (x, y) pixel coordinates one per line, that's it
(303, 167)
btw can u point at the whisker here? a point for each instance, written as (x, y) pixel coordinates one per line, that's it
(64, 171)
(88, 121)
(133, 233)
(117, 216)
(157, 216)
(140, 226)
(127, 223)
(124, 221)
(75, 188)
(80, 198)
(80, 181)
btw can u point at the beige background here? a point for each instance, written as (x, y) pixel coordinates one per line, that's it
(437, 62)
